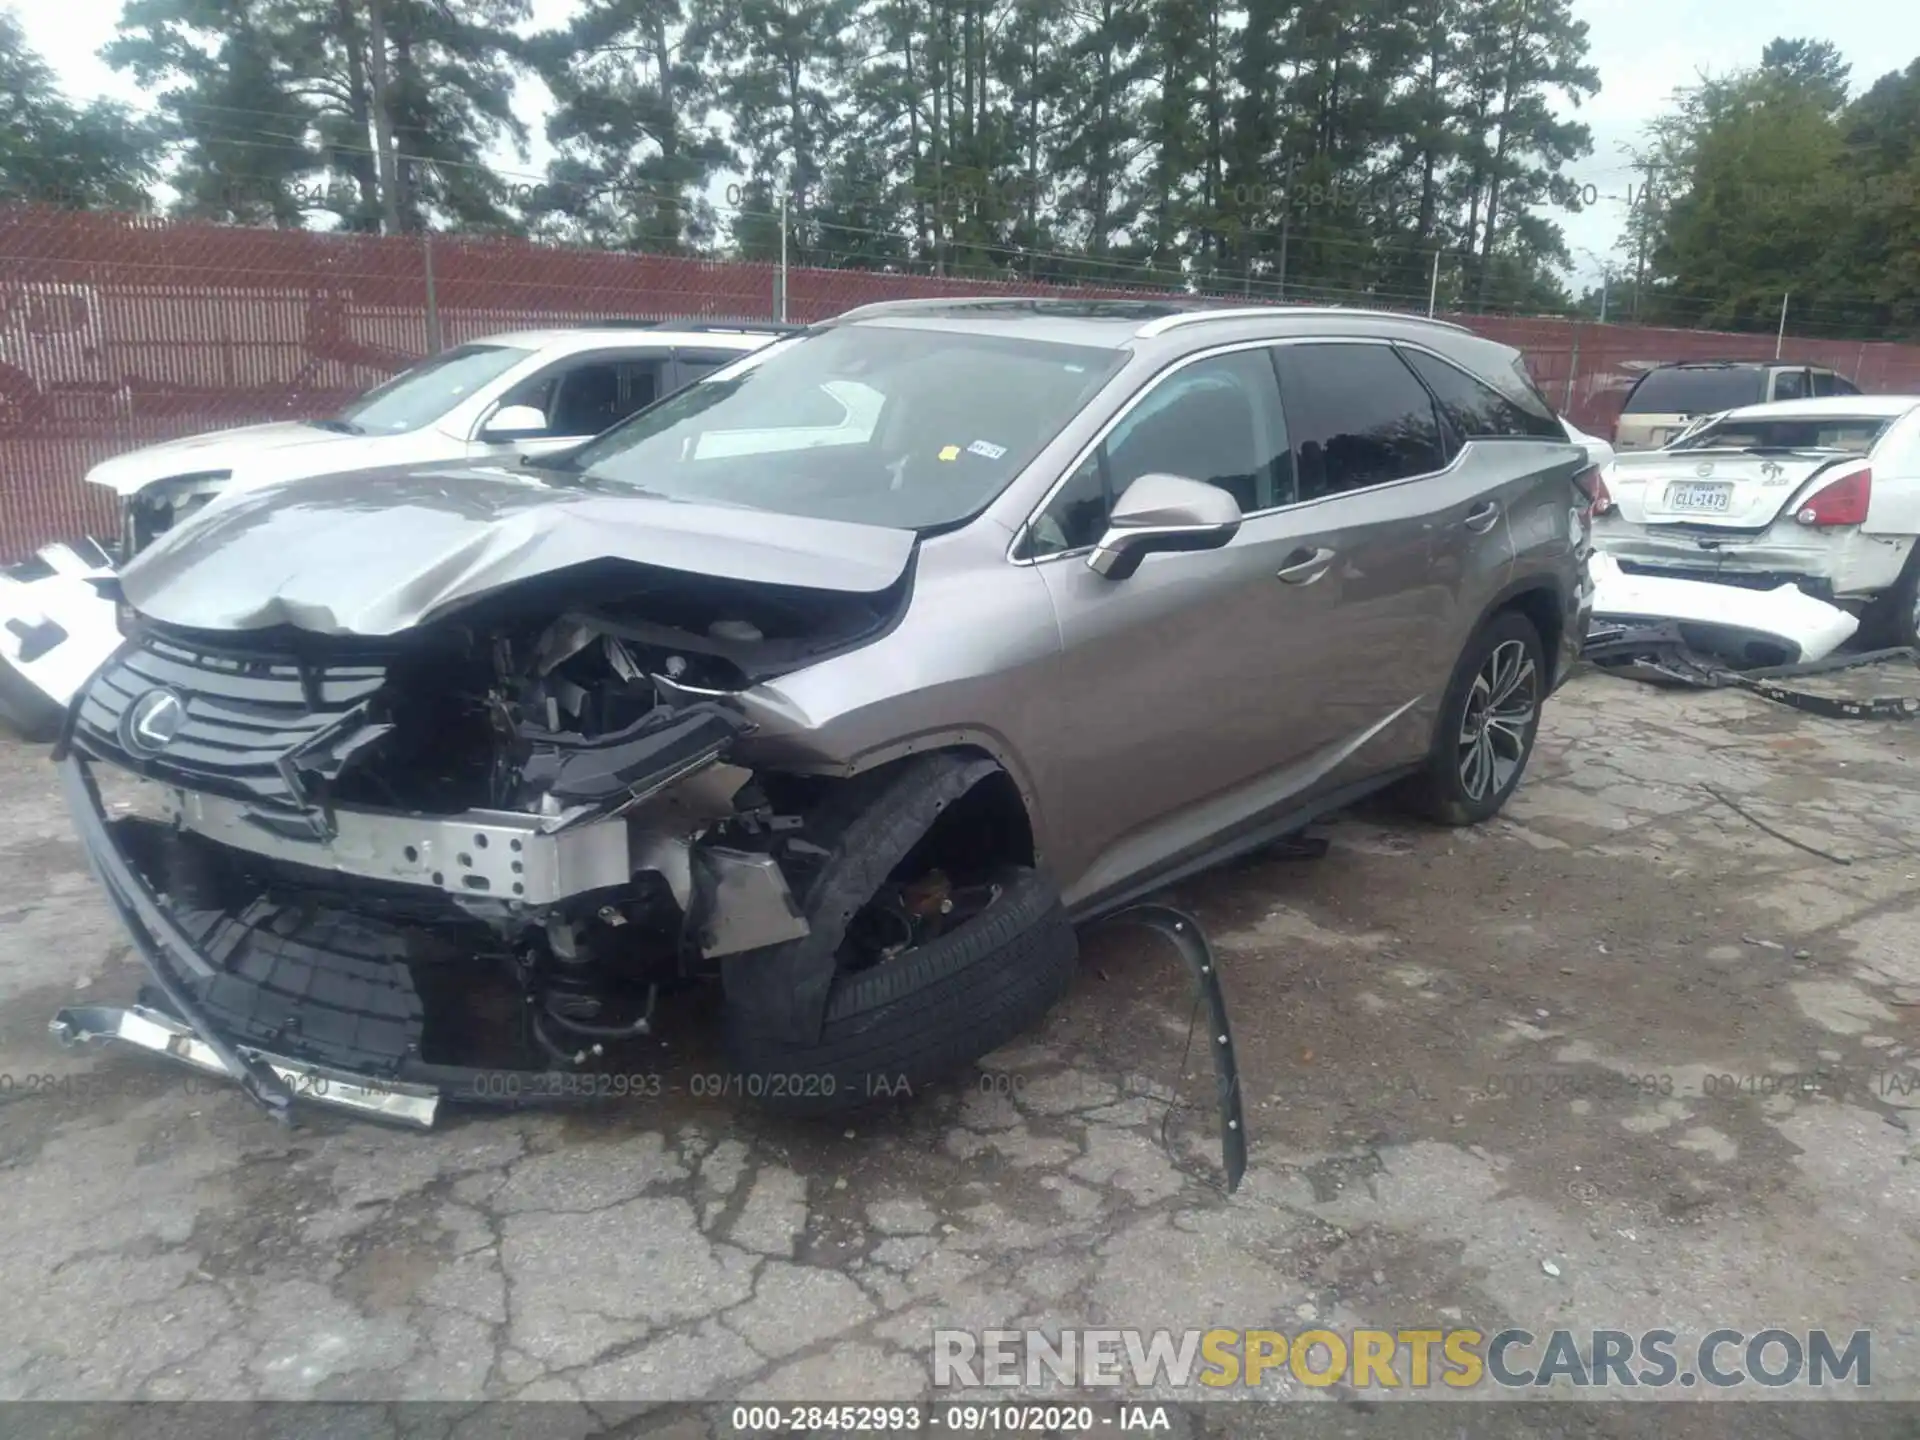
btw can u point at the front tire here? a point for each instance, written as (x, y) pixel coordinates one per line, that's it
(894, 1027)
(1487, 725)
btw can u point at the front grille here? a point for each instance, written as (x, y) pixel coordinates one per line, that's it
(244, 717)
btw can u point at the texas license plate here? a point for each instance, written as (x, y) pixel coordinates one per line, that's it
(1693, 496)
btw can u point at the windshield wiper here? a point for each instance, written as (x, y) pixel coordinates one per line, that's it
(337, 425)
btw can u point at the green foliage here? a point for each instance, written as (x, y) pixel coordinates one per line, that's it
(1271, 147)
(270, 106)
(1770, 183)
(629, 121)
(56, 152)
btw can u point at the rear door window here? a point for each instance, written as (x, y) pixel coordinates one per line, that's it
(1823, 382)
(1703, 391)
(1475, 410)
(1790, 385)
(1357, 416)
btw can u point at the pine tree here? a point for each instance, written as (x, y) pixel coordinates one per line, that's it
(631, 122)
(228, 101)
(55, 152)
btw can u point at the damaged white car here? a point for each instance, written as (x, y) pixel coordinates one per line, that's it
(1822, 494)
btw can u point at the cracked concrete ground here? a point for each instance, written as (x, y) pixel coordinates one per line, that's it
(1586, 1034)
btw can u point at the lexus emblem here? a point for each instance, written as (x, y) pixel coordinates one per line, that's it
(152, 722)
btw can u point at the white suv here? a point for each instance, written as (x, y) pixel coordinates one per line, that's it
(526, 392)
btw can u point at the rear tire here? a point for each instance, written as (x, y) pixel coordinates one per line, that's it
(900, 1024)
(1891, 618)
(1488, 720)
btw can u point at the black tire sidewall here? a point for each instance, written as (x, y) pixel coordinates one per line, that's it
(1444, 797)
(1889, 620)
(892, 1029)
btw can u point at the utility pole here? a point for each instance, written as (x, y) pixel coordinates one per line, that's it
(1433, 285)
(1606, 277)
(1780, 340)
(1640, 229)
(383, 119)
(782, 316)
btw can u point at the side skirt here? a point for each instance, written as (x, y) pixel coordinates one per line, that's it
(1262, 832)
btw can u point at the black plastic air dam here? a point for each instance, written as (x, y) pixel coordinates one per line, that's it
(160, 942)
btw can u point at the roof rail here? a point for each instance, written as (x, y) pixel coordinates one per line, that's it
(736, 327)
(1065, 303)
(741, 327)
(1243, 312)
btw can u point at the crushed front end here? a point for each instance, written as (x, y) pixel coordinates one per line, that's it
(459, 863)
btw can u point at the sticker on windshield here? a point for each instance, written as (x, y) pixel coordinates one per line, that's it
(949, 452)
(986, 448)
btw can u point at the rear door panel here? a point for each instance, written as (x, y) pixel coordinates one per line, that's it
(1418, 535)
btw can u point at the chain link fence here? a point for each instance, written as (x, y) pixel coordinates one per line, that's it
(119, 331)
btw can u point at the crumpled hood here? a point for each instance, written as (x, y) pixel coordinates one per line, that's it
(381, 551)
(279, 449)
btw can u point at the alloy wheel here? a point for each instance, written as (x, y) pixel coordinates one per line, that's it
(1497, 724)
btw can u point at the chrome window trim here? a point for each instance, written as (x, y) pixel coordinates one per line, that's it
(1024, 528)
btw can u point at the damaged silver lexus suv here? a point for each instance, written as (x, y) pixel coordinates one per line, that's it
(850, 678)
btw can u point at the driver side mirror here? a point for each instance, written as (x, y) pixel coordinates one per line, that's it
(514, 422)
(1159, 513)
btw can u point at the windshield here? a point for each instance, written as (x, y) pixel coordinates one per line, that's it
(1854, 434)
(1681, 391)
(907, 428)
(422, 393)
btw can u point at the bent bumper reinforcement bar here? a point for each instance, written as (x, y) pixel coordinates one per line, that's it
(493, 853)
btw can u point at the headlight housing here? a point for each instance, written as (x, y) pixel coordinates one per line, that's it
(151, 512)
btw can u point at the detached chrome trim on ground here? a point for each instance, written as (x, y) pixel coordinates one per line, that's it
(79, 1025)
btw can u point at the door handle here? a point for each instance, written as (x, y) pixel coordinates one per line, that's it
(1480, 519)
(1305, 566)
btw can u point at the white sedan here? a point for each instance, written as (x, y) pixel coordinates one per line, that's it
(1823, 494)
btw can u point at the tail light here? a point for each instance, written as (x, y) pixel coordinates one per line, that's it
(1590, 484)
(1839, 502)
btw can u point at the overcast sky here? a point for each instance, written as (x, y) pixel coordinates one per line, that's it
(1643, 49)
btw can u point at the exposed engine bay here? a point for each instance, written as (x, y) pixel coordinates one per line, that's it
(540, 793)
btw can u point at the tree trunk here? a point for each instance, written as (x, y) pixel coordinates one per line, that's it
(1498, 167)
(383, 118)
(672, 224)
(916, 166)
(359, 160)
